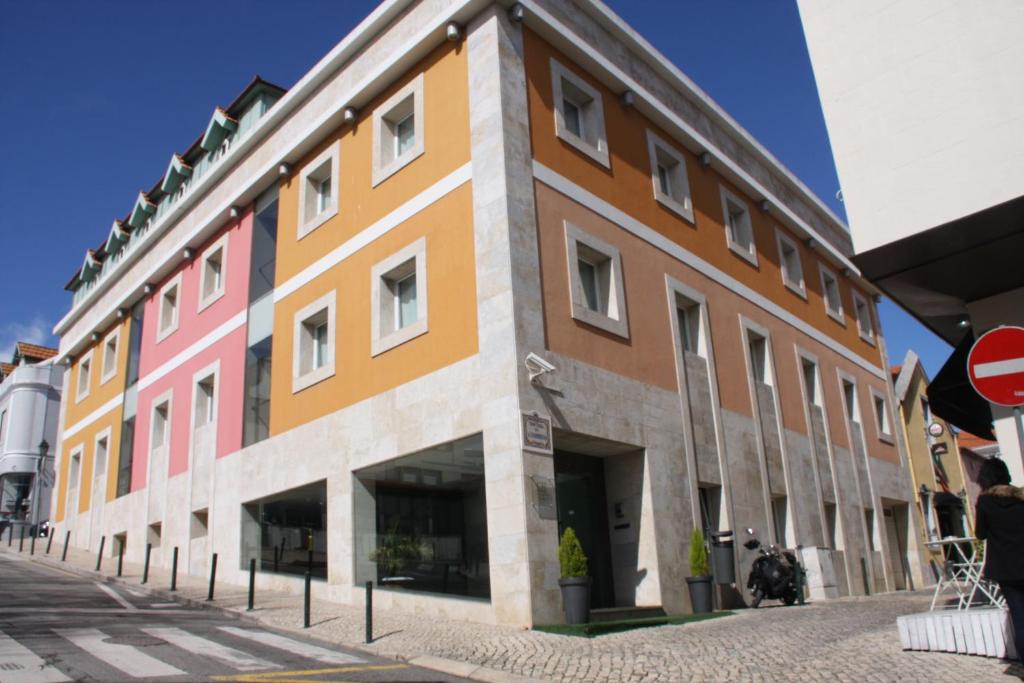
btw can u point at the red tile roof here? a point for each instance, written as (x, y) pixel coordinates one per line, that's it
(34, 351)
(6, 369)
(968, 440)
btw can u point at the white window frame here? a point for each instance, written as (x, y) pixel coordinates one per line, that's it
(868, 334)
(326, 304)
(882, 428)
(836, 315)
(74, 482)
(748, 254)
(386, 165)
(161, 331)
(168, 398)
(597, 147)
(616, 321)
(210, 371)
(108, 373)
(85, 361)
(105, 435)
(310, 180)
(222, 245)
(683, 205)
(385, 334)
(798, 287)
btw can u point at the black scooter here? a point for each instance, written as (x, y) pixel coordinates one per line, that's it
(773, 574)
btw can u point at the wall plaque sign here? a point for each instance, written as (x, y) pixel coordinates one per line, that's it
(537, 433)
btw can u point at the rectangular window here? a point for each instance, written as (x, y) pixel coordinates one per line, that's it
(168, 314)
(780, 511)
(399, 290)
(99, 467)
(688, 319)
(314, 342)
(597, 294)
(212, 272)
(318, 191)
(831, 526)
(790, 265)
(739, 230)
(205, 408)
(161, 428)
(865, 327)
(421, 521)
(830, 293)
(850, 398)
(758, 348)
(110, 345)
(810, 374)
(256, 411)
(579, 114)
(398, 131)
(881, 415)
(869, 523)
(125, 455)
(287, 531)
(84, 377)
(668, 174)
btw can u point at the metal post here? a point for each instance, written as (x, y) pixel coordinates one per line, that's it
(305, 602)
(99, 555)
(800, 577)
(49, 541)
(369, 611)
(174, 569)
(120, 557)
(309, 562)
(252, 582)
(64, 553)
(32, 545)
(275, 558)
(213, 577)
(145, 566)
(21, 541)
(10, 535)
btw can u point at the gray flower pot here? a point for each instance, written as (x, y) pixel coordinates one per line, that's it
(576, 599)
(700, 593)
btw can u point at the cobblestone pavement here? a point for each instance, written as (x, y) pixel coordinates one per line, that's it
(852, 639)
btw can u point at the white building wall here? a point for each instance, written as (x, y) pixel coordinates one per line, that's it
(924, 105)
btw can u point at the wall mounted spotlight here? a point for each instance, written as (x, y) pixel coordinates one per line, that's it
(963, 323)
(349, 115)
(283, 169)
(704, 159)
(847, 272)
(122, 313)
(628, 99)
(764, 205)
(95, 336)
(453, 32)
(234, 212)
(877, 298)
(188, 253)
(811, 243)
(516, 13)
(68, 359)
(148, 288)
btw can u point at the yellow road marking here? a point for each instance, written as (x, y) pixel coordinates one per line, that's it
(281, 676)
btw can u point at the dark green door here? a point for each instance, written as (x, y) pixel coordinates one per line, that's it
(582, 505)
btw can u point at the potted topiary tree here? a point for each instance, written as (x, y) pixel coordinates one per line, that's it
(575, 581)
(699, 581)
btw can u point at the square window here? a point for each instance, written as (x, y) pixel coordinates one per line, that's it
(865, 327)
(579, 114)
(595, 282)
(739, 231)
(790, 264)
(398, 136)
(84, 377)
(213, 273)
(318, 191)
(668, 175)
(168, 309)
(399, 290)
(313, 358)
(830, 294)
(110, 346)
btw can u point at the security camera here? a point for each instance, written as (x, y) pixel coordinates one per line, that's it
(537, 366)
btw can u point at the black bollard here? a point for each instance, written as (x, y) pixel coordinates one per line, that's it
(32, 545)
(10, 536)
(145, 566)
(309, 562)
(120, 557)
(99, 555)
(213, 577)
(21, 541)
(305, 603)
(369, 611)
(174, 569)
(275, 558)
(252, 582)
(49, 541)
(64, 553)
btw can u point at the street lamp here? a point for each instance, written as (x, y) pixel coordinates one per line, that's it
(44, 450)
(926, 508)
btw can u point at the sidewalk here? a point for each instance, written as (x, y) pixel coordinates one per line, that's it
(852, 639)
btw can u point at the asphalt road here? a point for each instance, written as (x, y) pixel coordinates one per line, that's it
(56, 627)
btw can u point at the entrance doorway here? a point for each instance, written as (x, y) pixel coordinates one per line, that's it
(896, 535)
(582, 505)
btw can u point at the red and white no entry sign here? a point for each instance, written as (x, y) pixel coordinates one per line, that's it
(996, 366)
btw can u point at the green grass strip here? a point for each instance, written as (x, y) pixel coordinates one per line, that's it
(605, 627)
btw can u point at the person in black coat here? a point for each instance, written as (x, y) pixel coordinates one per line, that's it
(999, 519)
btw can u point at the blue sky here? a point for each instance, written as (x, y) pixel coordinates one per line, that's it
(98, 95)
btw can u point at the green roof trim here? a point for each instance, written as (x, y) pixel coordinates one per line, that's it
(177, 171)
(142, 211)
(115, 238)
(221, 125)
(90, 266)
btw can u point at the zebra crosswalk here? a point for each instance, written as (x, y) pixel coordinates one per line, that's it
(32, 659)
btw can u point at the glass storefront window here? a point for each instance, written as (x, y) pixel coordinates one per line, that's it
(15, 493)
(287, 532)
(421, 521)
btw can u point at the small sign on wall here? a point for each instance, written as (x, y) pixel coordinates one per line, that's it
(537, 434)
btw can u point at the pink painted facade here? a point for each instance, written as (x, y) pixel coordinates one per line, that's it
(171, 364)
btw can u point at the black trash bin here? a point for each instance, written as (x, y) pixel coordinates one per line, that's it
(722, 561)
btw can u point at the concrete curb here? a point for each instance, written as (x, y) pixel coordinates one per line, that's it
(451, 667)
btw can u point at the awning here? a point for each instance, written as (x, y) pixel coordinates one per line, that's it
(952, 397)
